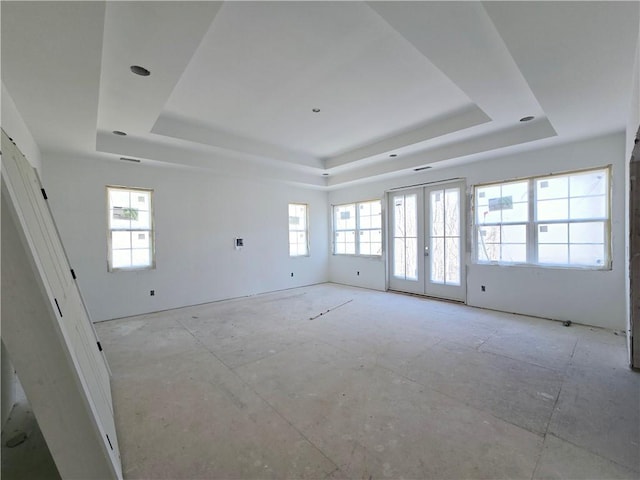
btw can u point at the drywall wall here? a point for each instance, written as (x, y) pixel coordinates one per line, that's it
(583, 296)
(197, 216)
(14, 126)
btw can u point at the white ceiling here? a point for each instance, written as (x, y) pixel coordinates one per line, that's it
(233, 84)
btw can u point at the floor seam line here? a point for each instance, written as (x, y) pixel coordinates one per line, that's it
(250, 387)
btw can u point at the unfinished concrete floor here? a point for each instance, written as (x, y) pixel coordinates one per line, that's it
(383, 385)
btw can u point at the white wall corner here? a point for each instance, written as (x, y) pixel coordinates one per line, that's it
(14, 125)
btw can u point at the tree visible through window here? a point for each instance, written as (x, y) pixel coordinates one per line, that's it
(130, 221)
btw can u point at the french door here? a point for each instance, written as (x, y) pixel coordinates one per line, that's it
(426, 232)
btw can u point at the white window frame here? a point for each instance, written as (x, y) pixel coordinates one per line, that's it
(358, 228)
(532, 224)
(305, 230)
(150, 230)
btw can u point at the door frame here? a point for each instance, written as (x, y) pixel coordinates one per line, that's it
(464, 234)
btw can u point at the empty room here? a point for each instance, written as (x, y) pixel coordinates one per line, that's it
(320, 240)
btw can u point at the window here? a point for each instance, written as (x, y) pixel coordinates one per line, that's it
(131, 240)
(558, 220)
(357, 228)
(298, 230)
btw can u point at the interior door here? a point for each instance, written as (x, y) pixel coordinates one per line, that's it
(427, 238)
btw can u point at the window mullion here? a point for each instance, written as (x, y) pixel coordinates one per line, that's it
(532, 225)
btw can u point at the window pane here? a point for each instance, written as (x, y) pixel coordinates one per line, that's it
(412, 258)
(345, 217)
(588, 255)
(121, 259)
(345, 242)
(514, 253)
(553, 233)
(553, 209)
(514, 234)
(518, 212)
(140, 239)
(452, 261)
(591, 232)
(588, 207)
(120, 218)
(140, 200)
(552, 188)
(589, 183)
(398, 216)
(437, 259)
(518, 191)
(399, 265)
(553, 254)
(437, 213)
(489, 234)
(452, 212)
(488, 252)
(140, 257)
(119, 198)
(411, 215)
(120, 240)
(140, 219)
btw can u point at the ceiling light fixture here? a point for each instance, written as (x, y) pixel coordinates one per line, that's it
(118, 132)
(527, 118)
(130, 159)
(138, 70)
(315, 110)
(419, 169)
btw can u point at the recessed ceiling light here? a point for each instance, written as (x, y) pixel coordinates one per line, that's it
(130, 159)
(527, 118)
(393, 155)
(315, 110)
(419, 169)
(118, 132)
(138, 70)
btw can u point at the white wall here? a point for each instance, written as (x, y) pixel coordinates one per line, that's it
(14, 125)
(197, 217)
(583, 296)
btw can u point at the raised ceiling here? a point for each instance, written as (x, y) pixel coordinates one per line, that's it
(233, 85)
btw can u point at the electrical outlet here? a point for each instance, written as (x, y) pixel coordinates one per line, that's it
(152, 293)
(483, 288)
(292, 274)
(358, 273)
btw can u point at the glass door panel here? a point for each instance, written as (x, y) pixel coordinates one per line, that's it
(406, 225)
(427, 239)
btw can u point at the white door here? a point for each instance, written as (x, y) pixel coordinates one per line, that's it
(427, 239)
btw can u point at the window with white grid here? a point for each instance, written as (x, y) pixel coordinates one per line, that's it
(130, 222)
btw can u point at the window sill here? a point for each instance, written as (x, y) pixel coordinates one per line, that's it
(578, 268)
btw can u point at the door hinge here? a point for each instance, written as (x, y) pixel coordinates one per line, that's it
(58, 305)
(99, 346)
(73, 274)
(44, 193)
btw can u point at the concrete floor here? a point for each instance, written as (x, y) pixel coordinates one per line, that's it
(380, 385)
(383, 386)
(25, 454)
